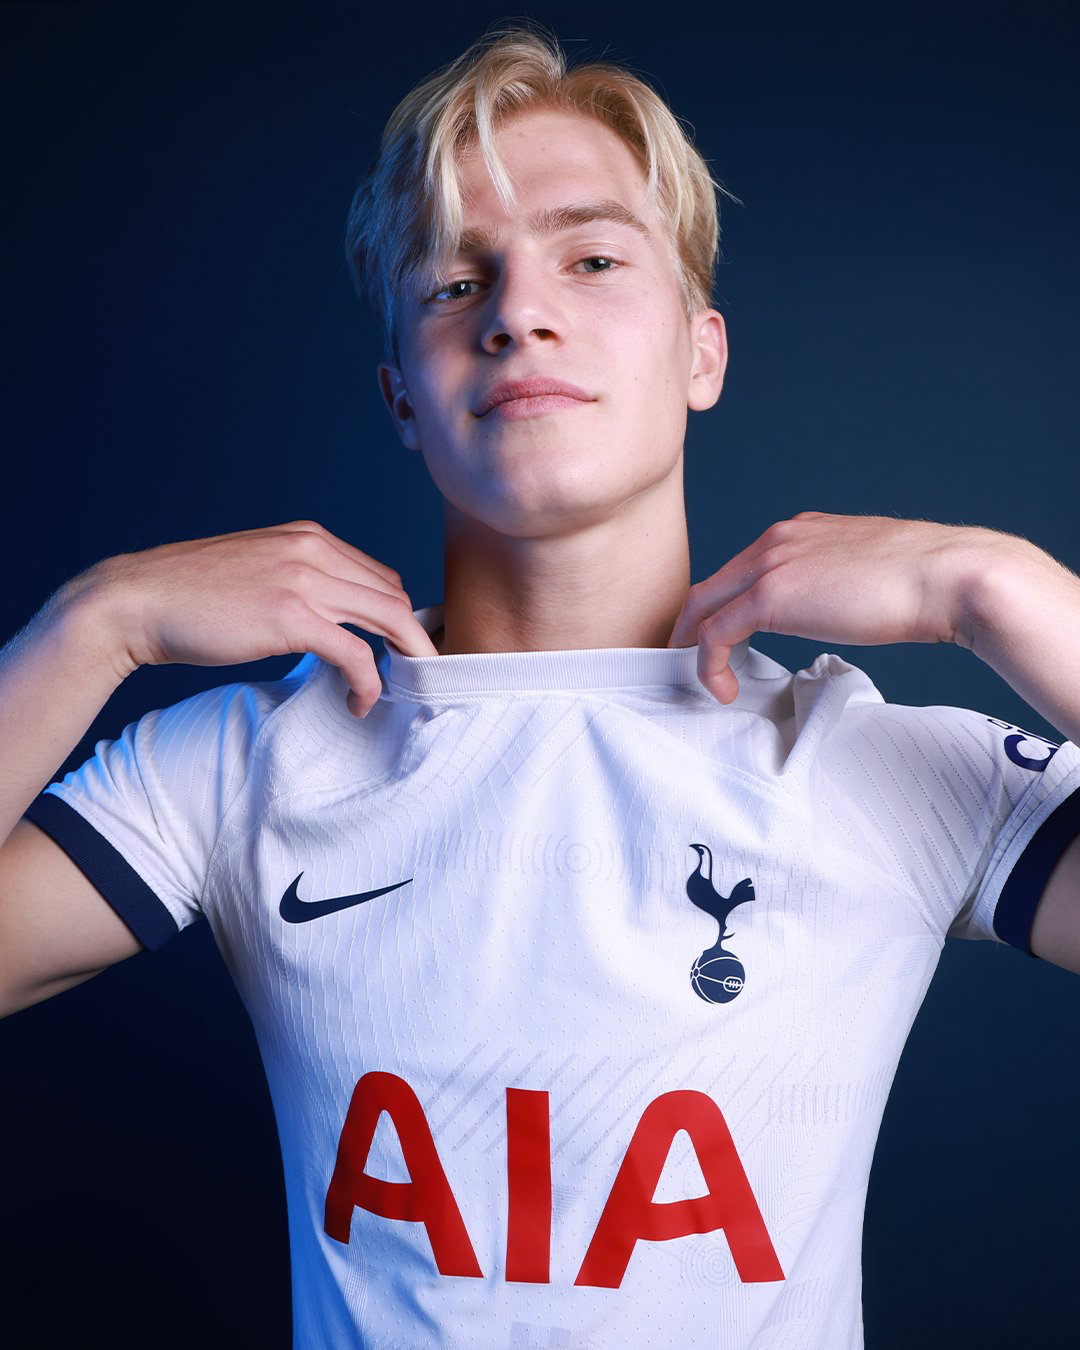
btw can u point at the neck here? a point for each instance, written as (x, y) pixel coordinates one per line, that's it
(617, 582)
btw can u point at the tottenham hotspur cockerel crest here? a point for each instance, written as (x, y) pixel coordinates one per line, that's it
(717, 975)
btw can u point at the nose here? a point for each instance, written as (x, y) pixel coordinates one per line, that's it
(522, 310)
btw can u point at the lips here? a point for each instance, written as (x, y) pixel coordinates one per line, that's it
(533, 386)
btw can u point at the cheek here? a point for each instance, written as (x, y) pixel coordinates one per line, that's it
(426, 366)
(430, 395)
(658, 351)
(651, 327)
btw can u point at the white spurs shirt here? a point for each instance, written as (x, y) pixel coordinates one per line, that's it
(579, 993)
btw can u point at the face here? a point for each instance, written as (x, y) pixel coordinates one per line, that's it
(589, 297)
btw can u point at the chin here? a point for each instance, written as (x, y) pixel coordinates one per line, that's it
(546, 510)
(527, 491)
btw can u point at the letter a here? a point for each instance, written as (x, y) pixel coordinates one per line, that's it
(426, 1198)
(631, 1213)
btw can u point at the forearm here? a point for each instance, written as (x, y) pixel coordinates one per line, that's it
(56, 675)
(1022, 617)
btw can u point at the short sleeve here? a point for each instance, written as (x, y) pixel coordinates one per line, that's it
(968, 811)
(1033, 813)
(141, 817)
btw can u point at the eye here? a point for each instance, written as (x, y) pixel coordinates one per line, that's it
(595, 264)
(607, 263)
(451, 291)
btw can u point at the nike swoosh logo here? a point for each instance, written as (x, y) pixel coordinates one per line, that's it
(294, 910)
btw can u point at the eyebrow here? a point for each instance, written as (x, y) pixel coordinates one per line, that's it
(553, 220)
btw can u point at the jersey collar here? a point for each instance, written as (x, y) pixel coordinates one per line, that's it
(591, 668)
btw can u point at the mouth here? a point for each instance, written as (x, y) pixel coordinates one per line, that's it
(533, 406)
(531, 396)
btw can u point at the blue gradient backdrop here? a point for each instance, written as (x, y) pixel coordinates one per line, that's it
(185, 357)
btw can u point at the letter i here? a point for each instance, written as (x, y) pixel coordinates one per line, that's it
(528, 1176)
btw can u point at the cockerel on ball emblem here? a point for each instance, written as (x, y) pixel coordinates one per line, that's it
(717, 975)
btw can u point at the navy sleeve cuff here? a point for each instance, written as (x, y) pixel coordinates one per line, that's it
(106, 867)
(1026, 882)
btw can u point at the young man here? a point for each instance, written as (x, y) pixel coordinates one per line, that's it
(580, 939)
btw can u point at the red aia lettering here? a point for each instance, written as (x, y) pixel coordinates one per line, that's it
(629, 1215)
(528, 1175)
(427, 1198)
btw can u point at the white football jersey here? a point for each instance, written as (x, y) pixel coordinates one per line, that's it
(579, 993)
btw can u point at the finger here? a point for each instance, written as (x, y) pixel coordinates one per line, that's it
(311, 561)
(769, 550)
(344, 601)
(723, 685)
(331, 561)
(737, 575)
(749, 613)
(712, 660)
(344, 547)
(350, 654)
(389, 578)
(716, 637)
(708, 596)
(319, 532)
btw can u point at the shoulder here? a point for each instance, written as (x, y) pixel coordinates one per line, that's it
(831, 714)
(220, 721)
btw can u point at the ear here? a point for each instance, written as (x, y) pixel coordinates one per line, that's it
(396, 397)
(708, 335)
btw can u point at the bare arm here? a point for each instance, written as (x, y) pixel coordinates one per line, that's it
(217, 601)
(1055, 931)
(55, 929)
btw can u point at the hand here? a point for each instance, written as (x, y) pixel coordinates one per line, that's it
(847, 579)
(241, 597)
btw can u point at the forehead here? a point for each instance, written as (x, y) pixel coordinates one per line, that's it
(565, 168)
(546, 221)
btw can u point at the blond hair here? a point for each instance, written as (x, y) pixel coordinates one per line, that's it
(407, 213)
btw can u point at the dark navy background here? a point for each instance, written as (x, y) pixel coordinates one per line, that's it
(186, 357)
